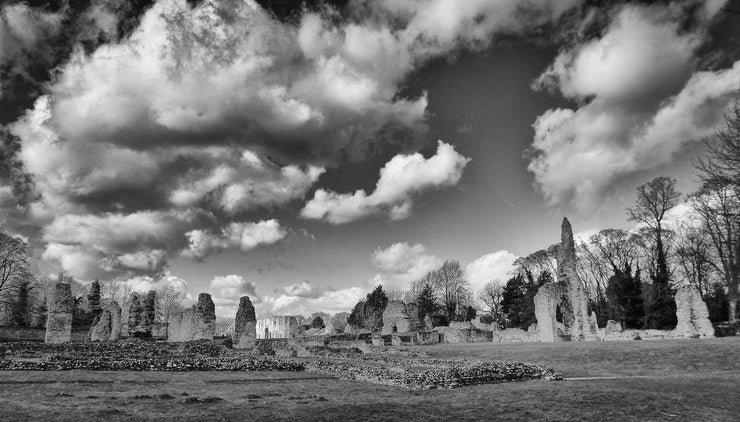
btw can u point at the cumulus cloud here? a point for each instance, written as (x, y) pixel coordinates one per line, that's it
(144, 283)
(245, 236)
(489, 267)
(331, 301)
(401, 264)
(226, 290)
(126, 128)
(400, 179)
(644, 102)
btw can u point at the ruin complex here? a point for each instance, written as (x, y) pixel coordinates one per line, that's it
(59, 319)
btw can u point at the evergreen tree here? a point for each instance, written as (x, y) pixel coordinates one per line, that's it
(148, 313)
(517, 303)
(134, 315)
(375, 304)
(317, 322)
(93, 298)
(426, 302)
(624, 294)
(357, 316)
(21, 306)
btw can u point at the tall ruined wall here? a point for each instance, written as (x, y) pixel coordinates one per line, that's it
(568, 293)
(285, 326)
(396, 318)
(107, 325)
(245, 325)
(575, 314)
(546, 301)
(196, 323)
(692, 314)
(59, 319)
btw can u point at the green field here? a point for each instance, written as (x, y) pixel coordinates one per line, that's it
(672, 380)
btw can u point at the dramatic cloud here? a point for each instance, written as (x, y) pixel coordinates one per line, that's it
(644, 102)
(143, 284)
(489, 267)
(198, 116)
(331, 301)
(227, 289)
(400, 179)
(245, 236)
(401, 264)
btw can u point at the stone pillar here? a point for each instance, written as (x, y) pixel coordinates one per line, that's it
(546, 302)
(245, 324)
(574, 307)
(692, 314)
(204, 314)
(107, 325)
(101, 327)
(59, 320)
(115, 321)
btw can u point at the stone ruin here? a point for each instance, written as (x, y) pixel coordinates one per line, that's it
(245, 325)
(59, 319)
(196, 323)
(396, 318)
(692, 314)
(107, 325)
(569, 294)
(285, 326)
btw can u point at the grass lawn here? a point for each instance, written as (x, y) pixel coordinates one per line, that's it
(677, 380)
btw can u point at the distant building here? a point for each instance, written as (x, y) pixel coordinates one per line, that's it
(285, 326)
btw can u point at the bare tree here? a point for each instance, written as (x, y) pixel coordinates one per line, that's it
(719, 200)
(602, 256)
(694, 256)
(169, 300)
(451, 286)
(13, 262)
(654, 199)
(538, 262)
(718, 205)
(491, 295)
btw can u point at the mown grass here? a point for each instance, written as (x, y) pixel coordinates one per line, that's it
(685, 380)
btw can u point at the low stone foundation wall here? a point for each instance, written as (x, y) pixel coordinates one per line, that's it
(37, 334)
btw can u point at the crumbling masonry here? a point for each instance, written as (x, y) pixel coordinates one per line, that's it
(568, 293)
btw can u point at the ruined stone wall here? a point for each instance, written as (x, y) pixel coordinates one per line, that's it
(285, 326)
(581, 327)
(196, 323)
(396, 318)
(59, 319)
(546, 301)
(515, 335)
(107, 325)
(692, 314)
(245, 324)
(569, 294)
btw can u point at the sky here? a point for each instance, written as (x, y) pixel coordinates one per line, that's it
(303, 153)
